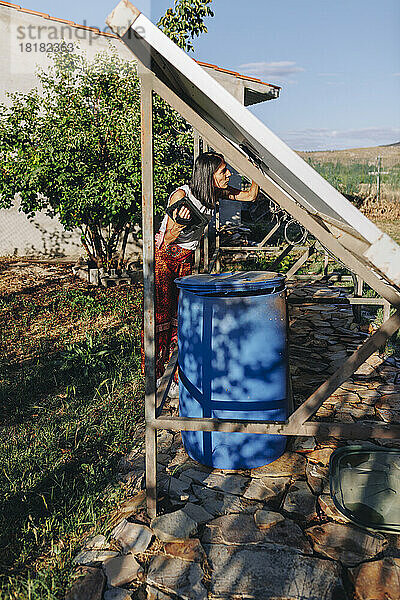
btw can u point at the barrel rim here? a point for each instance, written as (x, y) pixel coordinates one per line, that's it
(231, 280)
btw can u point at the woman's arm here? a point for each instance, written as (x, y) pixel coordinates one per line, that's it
(173, 229)
(240, 195)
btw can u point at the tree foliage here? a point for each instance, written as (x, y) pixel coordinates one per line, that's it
(185, 21)
(72, 147)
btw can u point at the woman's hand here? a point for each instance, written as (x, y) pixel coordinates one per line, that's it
(241, 195)
(184, 213)
(173, 228)
(159, 238)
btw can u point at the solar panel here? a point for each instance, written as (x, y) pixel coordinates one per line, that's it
(278, 164)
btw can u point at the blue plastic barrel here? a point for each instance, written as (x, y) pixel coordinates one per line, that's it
(233, 363)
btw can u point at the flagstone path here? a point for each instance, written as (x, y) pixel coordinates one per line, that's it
(271, 533)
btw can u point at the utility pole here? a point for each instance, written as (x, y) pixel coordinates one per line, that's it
(378, 174)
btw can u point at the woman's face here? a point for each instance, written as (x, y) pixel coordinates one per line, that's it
(221, 176)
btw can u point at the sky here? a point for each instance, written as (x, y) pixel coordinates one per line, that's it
(338, 62)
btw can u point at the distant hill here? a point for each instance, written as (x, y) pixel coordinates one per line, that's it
(390, 155)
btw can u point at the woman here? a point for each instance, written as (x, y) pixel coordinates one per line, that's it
(176, 243)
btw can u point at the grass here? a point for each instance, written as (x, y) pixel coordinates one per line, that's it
(345, 178)
(352, 178)
(71, 397)
(353, 173)
(390, 155)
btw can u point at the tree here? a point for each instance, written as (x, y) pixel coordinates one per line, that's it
(73, 148)
(185, 21)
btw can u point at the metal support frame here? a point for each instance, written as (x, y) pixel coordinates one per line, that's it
(269, 235)
(259, 248)
(301, 261)
(298, 423)
(277, 261)
(358, 431)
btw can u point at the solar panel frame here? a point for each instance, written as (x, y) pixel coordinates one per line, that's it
(227, 116)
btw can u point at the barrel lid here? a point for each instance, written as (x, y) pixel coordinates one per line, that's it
(232, 281)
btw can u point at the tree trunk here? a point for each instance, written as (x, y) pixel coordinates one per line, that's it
(123, 247)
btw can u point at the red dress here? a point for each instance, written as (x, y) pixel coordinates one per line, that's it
(171, 262)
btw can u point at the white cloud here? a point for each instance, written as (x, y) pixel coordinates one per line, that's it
(331, 139)
(279, 70)
(396, 74)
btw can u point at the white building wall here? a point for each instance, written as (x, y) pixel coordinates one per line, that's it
(27, 42)
(41, 236)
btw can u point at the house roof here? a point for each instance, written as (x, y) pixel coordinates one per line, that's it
(274, 88)
(238, 75)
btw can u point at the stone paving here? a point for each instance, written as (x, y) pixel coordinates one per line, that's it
(271, 533)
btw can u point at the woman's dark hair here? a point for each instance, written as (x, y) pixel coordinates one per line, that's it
(202, 183)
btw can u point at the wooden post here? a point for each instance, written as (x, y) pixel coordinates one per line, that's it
(196, 152)
(358, 292)
(386, 310)
(326, 263)
(207, 231)
(146, 105)
(217, 238)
